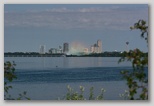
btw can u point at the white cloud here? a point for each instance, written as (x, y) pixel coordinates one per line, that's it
(85, 18)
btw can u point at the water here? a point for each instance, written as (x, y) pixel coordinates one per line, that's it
(46, 78)
(39, 63)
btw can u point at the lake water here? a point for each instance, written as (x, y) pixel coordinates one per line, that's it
(46, 78)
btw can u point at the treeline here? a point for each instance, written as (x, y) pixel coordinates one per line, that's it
(104, 54)
(36, 54)
(31, 54)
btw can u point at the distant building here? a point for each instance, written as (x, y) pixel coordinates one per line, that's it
(86, 51)
(60, 49)
(65, 48)
(55, 51)
(96, 48)
(99, 44)
(92, 49)
(42, 49)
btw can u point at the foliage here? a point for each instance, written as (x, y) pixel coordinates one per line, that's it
(137, 79)
(73, 95)
(91, 96)
(9, 76)
(125, 96)
(9, 71)
(141, 25)
(23, 96)
(100, 97)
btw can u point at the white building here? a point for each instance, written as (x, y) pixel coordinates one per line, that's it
(99, 44)
(55, 51)
(42, 49)
(92, 49)
(96, 48)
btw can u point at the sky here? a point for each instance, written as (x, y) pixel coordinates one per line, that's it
(27, 26)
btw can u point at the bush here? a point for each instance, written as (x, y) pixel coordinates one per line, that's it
(73, 95)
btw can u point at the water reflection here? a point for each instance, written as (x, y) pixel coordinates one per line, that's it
(43, 62)
(97, 62)
(65, 62)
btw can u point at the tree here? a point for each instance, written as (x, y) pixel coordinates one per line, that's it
(9, 76)
(137, 79)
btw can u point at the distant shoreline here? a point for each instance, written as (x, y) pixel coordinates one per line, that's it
(35, 54)
(62, 56)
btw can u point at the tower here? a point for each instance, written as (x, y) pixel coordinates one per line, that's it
(42, 49)
(65, 47)
(99, 44)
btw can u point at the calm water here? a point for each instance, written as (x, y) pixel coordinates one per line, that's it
(46, 78)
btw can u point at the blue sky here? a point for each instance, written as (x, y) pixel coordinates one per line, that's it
(26, 26)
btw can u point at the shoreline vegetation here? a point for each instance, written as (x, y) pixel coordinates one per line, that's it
(36, 54)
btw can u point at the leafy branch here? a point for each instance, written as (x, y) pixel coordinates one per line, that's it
(137, 79)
